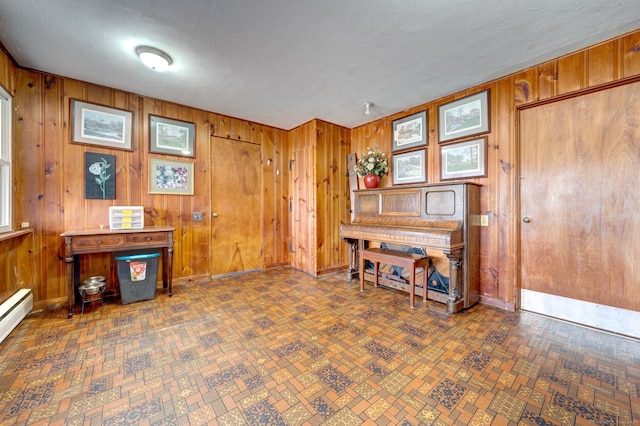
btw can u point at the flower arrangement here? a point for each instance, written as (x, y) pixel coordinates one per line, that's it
(373, 162)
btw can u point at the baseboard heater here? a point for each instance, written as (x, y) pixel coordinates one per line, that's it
(13, 310)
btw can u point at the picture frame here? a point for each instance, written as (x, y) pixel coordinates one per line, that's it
(464, 159)
(173, 137)
(464, 117)
(99, 125)
(410, 167)
(410, 132)
(99, 176)
(170, 177)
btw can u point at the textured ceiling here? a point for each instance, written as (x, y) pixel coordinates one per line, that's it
(285, 62)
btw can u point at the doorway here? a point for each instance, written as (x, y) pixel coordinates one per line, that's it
(579, 205)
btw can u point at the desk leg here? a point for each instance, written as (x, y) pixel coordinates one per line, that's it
(169, 269)
(68, 258)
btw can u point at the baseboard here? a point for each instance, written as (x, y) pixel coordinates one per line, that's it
(49, 304)
(492, 301)
(185, 280)
(276, 265)
(13, 310)
(332, 270)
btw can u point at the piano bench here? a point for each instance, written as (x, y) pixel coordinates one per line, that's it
(396, 258)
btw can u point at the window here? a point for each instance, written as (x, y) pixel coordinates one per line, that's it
(6, 200)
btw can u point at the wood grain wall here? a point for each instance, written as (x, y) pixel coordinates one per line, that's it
(603, 63)
(319, 196)
(48, 172)
(49, 182)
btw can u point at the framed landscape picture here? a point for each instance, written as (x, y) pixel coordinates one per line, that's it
(174, 137)
(464, 159)
(100, 125)
(465, 117)
(409, 167)
(170, 177)
(410, 132)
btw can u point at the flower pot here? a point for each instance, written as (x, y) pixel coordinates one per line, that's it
(371, 181)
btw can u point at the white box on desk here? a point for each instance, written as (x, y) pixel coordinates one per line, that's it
(126, 217)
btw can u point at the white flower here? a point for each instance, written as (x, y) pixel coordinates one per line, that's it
(95, 169)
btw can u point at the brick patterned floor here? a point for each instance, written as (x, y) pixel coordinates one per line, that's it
(283, 348)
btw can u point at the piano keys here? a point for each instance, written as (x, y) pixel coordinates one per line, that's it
(443, 217)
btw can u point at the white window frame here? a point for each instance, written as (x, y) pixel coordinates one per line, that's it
(6, 197)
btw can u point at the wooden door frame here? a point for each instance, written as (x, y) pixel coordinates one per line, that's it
(514, 262)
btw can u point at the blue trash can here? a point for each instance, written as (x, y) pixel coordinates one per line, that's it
(137, 275)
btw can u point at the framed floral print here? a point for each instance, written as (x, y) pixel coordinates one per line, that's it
(99, 176)
(170, 177)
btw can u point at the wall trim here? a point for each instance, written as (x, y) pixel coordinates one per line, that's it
(497, 303)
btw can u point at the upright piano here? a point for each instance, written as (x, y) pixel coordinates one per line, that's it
(441, 218)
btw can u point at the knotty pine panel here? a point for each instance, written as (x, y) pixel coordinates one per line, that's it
(602, 66)
(496, 254)
(572, 73)
(275, 169)
(548, 80)
(50, 155)
(37, 165)
(332, 194)
(8, 71)
(630, 54)
(303, 197)
(16, 266)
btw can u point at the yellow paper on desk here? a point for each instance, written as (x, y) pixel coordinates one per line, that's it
(138, 271)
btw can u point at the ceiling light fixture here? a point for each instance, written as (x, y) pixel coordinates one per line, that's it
(367, 108)
(153, 58)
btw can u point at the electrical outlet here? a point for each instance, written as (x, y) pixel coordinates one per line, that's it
(197, 216)
(24, 225)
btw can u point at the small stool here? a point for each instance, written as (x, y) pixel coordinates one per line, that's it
(396, 258)
(92, 290)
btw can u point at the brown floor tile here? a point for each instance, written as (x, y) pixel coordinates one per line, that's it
(281, 347)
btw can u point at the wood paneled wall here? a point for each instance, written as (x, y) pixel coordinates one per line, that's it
(603, 63)
(16, 268)
(319, 196)
(332, 200)
(50, 193)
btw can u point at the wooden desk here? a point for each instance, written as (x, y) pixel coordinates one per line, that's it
(78, 242)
